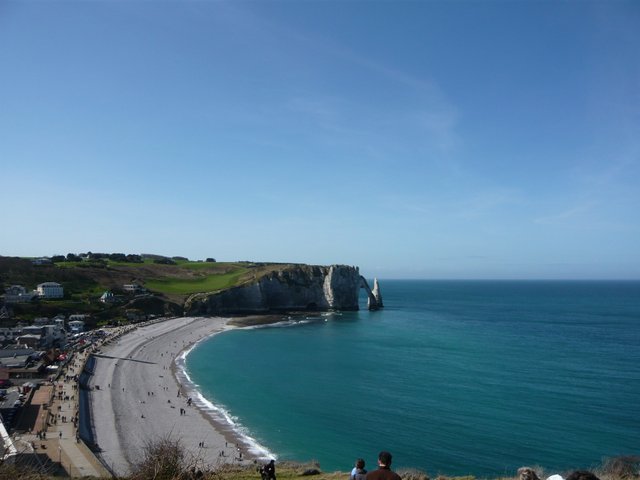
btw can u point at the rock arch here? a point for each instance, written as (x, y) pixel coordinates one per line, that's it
(374, 297)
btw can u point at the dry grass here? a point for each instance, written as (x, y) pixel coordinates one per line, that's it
(166, 459)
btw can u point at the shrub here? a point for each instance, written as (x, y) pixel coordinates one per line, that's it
(164, 459)
(412, 474)
(624, 467)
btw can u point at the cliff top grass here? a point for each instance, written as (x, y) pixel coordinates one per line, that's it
(205, 282)
(174, 279)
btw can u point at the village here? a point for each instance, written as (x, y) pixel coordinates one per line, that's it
(44, 415)
(35, 352)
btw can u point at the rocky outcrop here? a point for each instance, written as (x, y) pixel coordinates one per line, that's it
(376, 293)
(374, 297)
(294, 288)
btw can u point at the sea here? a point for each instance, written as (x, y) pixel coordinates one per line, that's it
(452, 377)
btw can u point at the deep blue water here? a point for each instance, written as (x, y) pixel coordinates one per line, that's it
(454, 377)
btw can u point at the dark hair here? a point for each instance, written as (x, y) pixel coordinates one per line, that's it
(582, 475)
(360, 463)
(384, 458)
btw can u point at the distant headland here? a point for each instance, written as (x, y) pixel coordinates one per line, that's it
(101, 288)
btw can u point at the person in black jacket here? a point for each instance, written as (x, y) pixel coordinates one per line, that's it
(384, 471)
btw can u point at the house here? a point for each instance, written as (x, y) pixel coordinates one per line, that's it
(50, 290)
(8, 335)
(76, 326)
(30, 340)
(135, 316)
(53, 334)
(41, 261)
(108, 297)
(47, 335)
(40, 321)
(133, 288)
(17, 294)
(59, 320)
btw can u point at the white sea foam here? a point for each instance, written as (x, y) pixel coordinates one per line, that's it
(289, 322)
(218, 413)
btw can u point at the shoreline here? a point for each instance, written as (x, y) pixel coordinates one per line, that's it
(140, 393)
(218, 417)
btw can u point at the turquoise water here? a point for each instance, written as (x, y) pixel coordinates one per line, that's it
(455, 377)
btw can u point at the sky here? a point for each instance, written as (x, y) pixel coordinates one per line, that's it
(415, 139)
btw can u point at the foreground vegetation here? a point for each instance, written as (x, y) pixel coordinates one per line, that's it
(166, 459)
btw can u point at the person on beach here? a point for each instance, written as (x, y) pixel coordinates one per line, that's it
(358, 472)
(384, 469)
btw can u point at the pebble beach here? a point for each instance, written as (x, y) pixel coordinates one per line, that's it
(137, 399)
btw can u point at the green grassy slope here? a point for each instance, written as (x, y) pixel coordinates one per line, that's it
(85, 281)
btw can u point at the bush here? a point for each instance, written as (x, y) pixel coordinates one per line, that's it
(164, 261)
(162, 460)
(625, 467)
(412, 474)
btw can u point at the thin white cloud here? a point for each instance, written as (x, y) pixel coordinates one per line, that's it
(431, 111)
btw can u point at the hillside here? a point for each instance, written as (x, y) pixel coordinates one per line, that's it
(166, 284)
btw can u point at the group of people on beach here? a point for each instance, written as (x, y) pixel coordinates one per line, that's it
(384, 472)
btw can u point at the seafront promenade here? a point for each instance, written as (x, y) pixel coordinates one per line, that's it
(53, 436)
(74, 456)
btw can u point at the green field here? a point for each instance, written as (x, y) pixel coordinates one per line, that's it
(208, 283)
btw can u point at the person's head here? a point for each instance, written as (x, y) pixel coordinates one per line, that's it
(384, 459)
(582, 475)
(360, 463)
(272, 462)
(527, 473)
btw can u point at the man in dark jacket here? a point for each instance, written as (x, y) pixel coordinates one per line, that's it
(270, 470)
(384, 471)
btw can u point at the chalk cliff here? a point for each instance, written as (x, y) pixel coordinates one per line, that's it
(293, 288)
(376, 293)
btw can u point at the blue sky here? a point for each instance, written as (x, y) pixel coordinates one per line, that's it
(414, 139)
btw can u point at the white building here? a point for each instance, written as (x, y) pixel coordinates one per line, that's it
(133, 288)
(108, 297)
(50, 290)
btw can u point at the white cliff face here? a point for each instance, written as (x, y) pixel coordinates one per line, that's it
(298, 287)
(326, 287)
(341, 287)
(376, 293)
